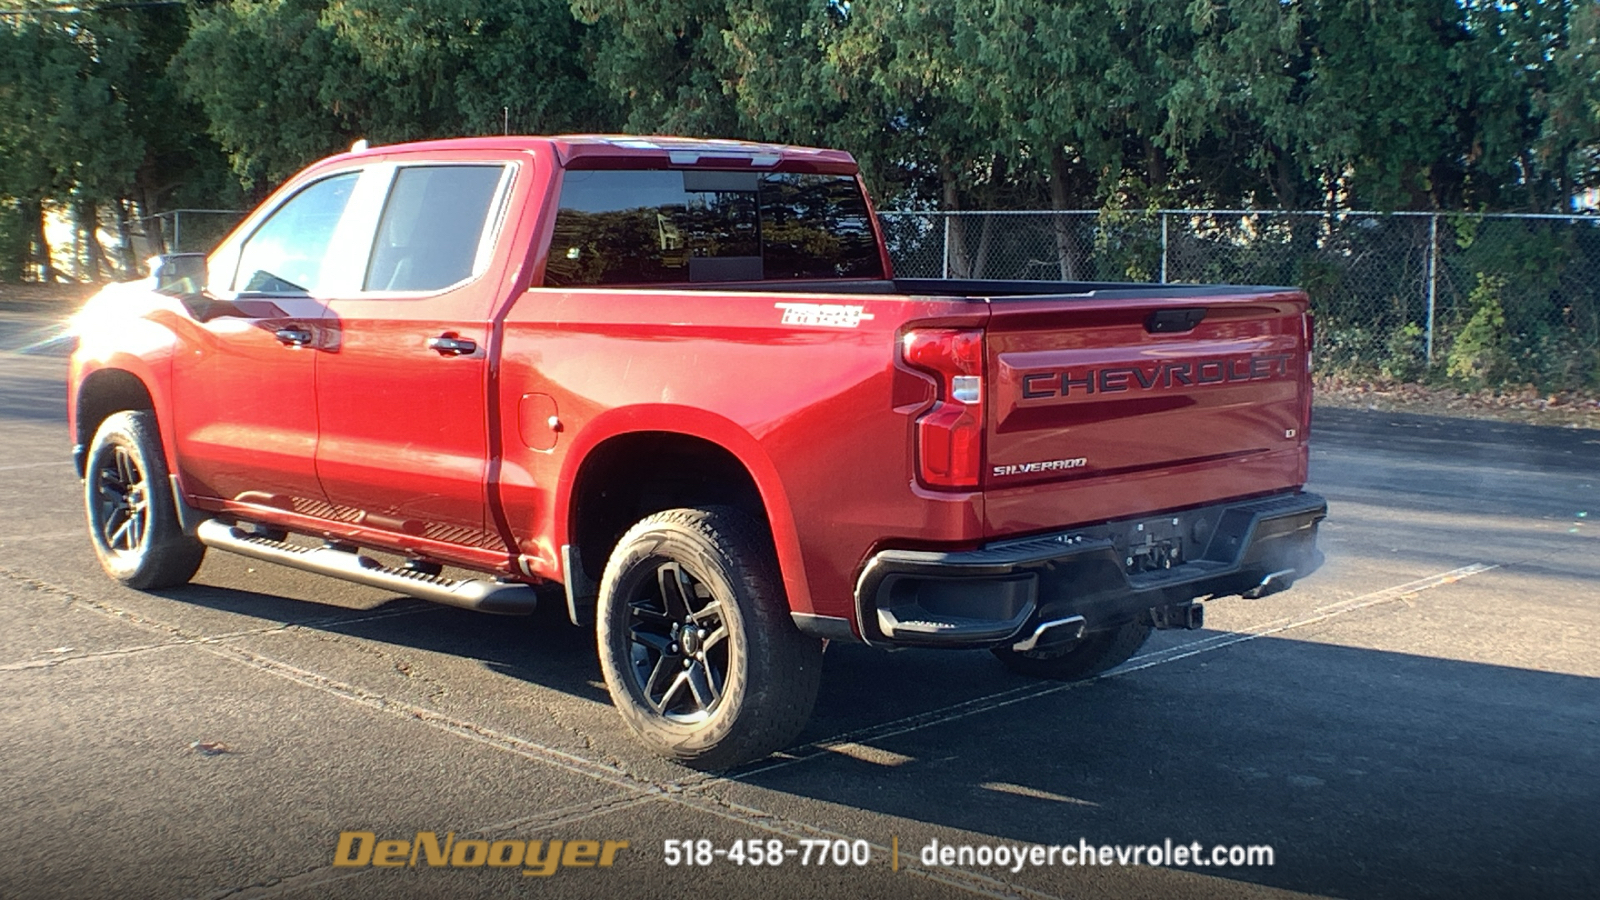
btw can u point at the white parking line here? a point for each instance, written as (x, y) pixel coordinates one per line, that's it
(10, 539)
(688, 792)
(675, 792)
(682, 792)
(323, 624)
(1320, 614)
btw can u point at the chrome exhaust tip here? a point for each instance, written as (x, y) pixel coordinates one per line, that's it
(1272, 584)
(1055, 631)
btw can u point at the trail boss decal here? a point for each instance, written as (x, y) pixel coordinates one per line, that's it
(1157, 376)
(828, 315)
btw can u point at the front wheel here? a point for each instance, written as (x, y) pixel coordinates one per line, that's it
(133, 518)
(699, 653)
(1095, 653)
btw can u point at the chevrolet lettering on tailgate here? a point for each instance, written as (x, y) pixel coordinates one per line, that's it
(1161, 376)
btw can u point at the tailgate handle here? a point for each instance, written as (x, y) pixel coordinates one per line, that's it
(1166, 321)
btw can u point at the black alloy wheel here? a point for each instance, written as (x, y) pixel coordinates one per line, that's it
(133, 517)
(678, 651)
(121, 513)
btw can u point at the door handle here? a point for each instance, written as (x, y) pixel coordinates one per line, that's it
(450, 345)
(293, 335)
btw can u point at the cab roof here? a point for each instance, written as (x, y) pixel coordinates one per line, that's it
(605, 151)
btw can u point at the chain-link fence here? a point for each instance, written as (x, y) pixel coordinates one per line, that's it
(187, 230)
(122, 248)
(1492, 300)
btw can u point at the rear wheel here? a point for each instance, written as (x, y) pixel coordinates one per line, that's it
(133, 519)
(1095, 653)
(699, 653)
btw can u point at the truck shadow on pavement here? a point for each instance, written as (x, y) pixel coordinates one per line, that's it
(543, 649)
(1371, 773)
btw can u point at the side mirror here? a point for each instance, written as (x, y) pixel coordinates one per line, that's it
(179, 274)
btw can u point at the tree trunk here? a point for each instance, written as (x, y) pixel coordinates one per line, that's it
(1525, 157)
(1068, 252)
(152, 226)
(1568, 189)
(38, 243)
(130, 260)
(955, 231)
(1284, 180)
(100, 268)
(1155, 165)
(980, 259)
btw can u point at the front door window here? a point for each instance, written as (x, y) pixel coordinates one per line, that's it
(289, 253)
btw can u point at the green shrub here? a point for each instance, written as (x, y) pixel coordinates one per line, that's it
(1479, 355)
(1406, 356)
(1346, 348)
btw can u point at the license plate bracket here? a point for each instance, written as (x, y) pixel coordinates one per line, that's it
(1153, 545)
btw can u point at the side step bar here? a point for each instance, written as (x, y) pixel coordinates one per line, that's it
(503, 598)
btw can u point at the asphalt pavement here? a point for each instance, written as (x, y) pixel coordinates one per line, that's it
(1418, 719)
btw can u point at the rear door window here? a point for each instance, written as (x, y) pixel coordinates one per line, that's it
(677, 226)
(432, 227)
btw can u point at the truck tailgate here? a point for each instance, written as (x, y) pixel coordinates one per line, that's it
(1115, 405)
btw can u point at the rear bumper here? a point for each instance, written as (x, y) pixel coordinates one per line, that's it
(1108, 574)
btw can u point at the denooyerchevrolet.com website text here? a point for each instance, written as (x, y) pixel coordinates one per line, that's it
(1016, 857)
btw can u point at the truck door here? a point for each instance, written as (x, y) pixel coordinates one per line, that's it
(403, 436)
(244, 401)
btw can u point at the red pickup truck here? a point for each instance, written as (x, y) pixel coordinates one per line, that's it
(674, 385)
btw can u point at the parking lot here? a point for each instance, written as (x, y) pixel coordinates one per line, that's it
(1419, 719)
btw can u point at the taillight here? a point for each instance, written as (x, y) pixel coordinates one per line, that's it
(950, 435)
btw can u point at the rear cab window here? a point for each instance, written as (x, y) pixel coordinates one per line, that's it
(666, 226)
